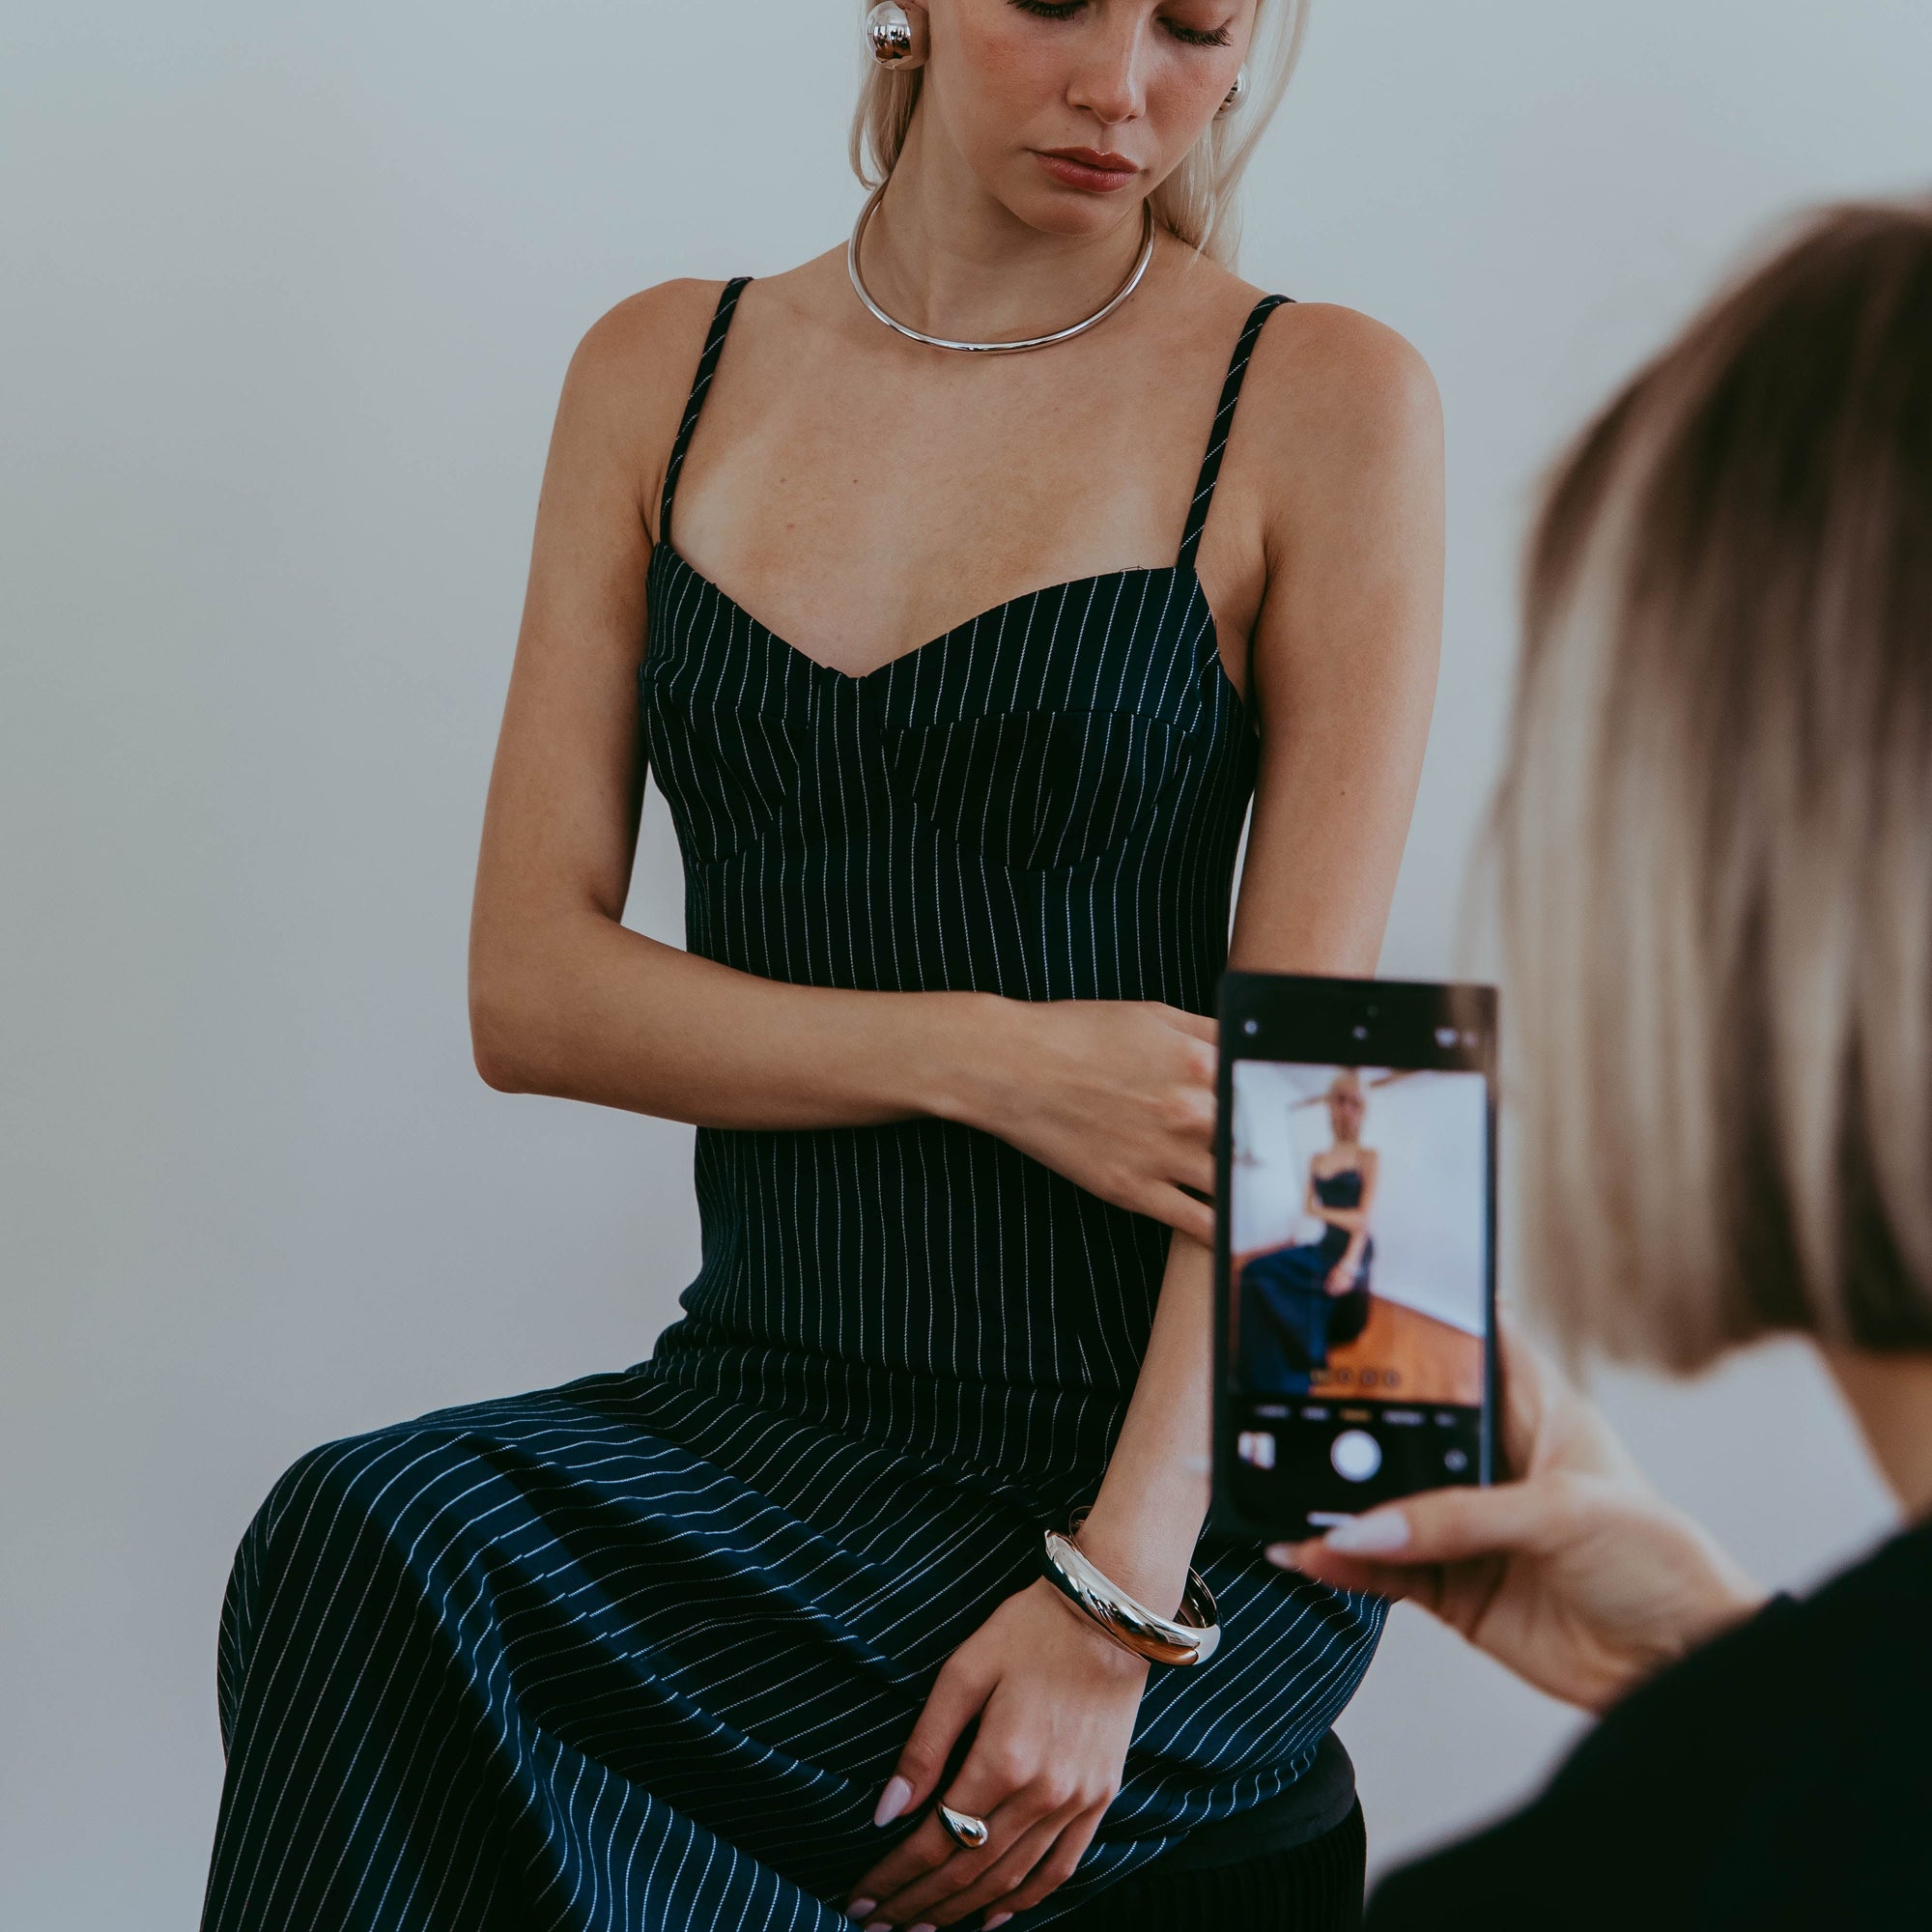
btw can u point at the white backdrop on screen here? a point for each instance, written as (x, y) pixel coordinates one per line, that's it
(290, 289)
(1428, 1130)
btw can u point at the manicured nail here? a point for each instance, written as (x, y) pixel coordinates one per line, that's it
(879, 1925)
(923, 1926)
(998, 1918)
(1282, 1556)
(859, 1907)
(893, 1800)
(1369, 1535)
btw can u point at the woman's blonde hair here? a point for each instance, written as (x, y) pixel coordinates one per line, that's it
(1717, 828)
(1198, 201)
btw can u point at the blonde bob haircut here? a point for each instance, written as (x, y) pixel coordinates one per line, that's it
(1715, 834)
(1198, 201)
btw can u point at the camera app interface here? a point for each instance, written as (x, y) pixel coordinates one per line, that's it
(1360, 1251)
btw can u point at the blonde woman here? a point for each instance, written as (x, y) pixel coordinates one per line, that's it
(1717, 827)
(961, 588)
(1298, 1302)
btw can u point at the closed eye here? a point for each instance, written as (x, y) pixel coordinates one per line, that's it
(1065, 10)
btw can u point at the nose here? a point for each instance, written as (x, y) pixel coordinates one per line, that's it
(1108, 80)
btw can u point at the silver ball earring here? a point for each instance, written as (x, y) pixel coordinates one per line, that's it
(1233, 98)
(896, 37)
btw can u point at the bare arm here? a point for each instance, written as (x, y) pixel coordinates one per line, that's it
(1344, 662)
(1351, 1220)
(566, 1001)
(1345, 659)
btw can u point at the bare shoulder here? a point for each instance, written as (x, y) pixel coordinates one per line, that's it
(650, 340)
(1336, 393)
(627, 381)
(634, 362)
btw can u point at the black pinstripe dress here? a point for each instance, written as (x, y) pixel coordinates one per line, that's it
(640, 1651)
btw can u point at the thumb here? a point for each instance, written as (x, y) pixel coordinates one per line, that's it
(1456, 1525)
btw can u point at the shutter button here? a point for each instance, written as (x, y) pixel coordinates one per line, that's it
(1356, 1454)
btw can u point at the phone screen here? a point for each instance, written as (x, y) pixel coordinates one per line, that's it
(1356, 1265)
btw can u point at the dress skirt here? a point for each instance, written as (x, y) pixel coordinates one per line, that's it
(639, 1653)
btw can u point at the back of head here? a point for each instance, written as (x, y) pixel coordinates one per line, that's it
(1717, 827)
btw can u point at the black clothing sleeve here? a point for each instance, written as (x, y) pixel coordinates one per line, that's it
(1782, 1777)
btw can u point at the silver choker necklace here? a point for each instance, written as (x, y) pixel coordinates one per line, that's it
(911, 335)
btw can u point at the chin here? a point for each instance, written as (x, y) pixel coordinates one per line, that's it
(1068, 212)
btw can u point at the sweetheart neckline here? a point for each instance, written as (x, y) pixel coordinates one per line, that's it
(1176, 569)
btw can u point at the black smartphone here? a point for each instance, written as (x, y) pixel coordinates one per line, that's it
(1354, 1247)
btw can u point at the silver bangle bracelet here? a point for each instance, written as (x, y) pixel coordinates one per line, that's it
(1189, 1639)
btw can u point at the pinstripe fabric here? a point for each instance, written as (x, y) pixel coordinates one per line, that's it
(640, 1651)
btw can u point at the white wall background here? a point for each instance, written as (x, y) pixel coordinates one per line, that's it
(289, 289)
(1430, 1201)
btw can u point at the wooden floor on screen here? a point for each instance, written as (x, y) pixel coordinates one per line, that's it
(1405, 1355)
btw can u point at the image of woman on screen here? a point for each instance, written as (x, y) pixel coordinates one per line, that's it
(1300, 1301)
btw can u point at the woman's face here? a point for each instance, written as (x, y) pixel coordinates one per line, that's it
(1071, 112)
(1345, 1113)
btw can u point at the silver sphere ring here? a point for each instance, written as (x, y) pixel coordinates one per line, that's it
(968, 1833)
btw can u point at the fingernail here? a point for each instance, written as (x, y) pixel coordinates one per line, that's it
(998, 1918)
(1282, 1556)
(923, 1926)
(1367, 1535)
(859, 1907)
(893, 1800)
(879, 1925)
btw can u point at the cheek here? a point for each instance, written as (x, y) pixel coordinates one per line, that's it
(1001, 78)
(1186, 90)
(1183, 91)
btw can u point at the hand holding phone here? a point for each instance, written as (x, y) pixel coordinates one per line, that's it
(1354, 1247)
(1579, 1576)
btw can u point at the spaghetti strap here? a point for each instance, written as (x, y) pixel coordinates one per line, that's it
(700, 386)
(1224, 421)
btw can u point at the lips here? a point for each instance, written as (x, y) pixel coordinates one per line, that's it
(1096, 170)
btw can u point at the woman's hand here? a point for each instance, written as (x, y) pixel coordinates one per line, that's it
(1056, 1702)
(1579, 1576)
(1342, 1277)
(1115, 1095)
